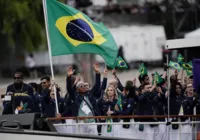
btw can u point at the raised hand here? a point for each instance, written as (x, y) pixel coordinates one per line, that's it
(176, 72)
(105, 73)
(78, 79)
(114, 72)
(154, 86)
(96, 67)
(134, 81)
(52, 85)
(70, 71)
(58, 115)
(159, 90)
(116, 108)
(109, 112)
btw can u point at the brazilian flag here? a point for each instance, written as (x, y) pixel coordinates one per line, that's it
(189, 72)
(180, 58)
(187, 66)
(120, 63)
(119, 102)
(109, 127)
(72, 32)
(175, 65)
(158, 78)
(142, 70)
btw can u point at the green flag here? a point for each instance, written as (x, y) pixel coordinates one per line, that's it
(120, 63)
(190, 63)
(187, 66)
(175, 65)
(72, 32)
(109, 127)
(158, 78)
(119, 102)
(180, 58)
(189, 72)
(142, 70)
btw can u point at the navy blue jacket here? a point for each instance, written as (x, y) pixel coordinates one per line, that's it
(25, 88)
(127, 109)
(146, 102)
(127, 106)
(175, 101)
(160, 106)
(105, 107)
(38, 102)
(197, 104)
(49, 107)
(10, 106)
(77, 98)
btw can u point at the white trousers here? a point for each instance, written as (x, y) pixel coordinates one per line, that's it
(184, 132)
(114, 133)
(70, 129)
(160, 132)
(146, 134)
(129, 133)
(67, 129)
(104, 131)
(88, 129)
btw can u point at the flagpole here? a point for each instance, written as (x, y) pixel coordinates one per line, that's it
(49, 50)
(168, 92)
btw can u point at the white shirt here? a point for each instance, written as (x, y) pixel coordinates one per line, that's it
(30, 63)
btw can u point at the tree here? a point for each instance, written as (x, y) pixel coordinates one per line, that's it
(21, 21)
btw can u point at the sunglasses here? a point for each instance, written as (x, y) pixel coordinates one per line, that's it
(82, 86)
(17, 78)
(43, 82)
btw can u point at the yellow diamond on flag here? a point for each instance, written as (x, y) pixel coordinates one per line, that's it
(70, 26)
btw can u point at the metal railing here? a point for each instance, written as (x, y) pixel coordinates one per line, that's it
(78, 122)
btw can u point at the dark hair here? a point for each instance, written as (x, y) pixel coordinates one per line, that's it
(141, 78)
(172, 78)
(131, 89)
(128, 85)
(191, 77)
(34, 85)
(173, 88)
(20, 73)
(39, 88)
(46, 77)
(143, 85)
(177, 83)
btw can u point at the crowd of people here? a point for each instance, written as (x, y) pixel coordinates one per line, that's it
(110, 98)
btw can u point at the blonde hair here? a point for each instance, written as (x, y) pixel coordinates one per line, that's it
(106, 92)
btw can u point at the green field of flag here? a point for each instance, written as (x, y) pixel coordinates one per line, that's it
(180, 58)
(158, 79)
(187, 66)
(175, 65)
(72, 32)
(120, 63)
(142, 70)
